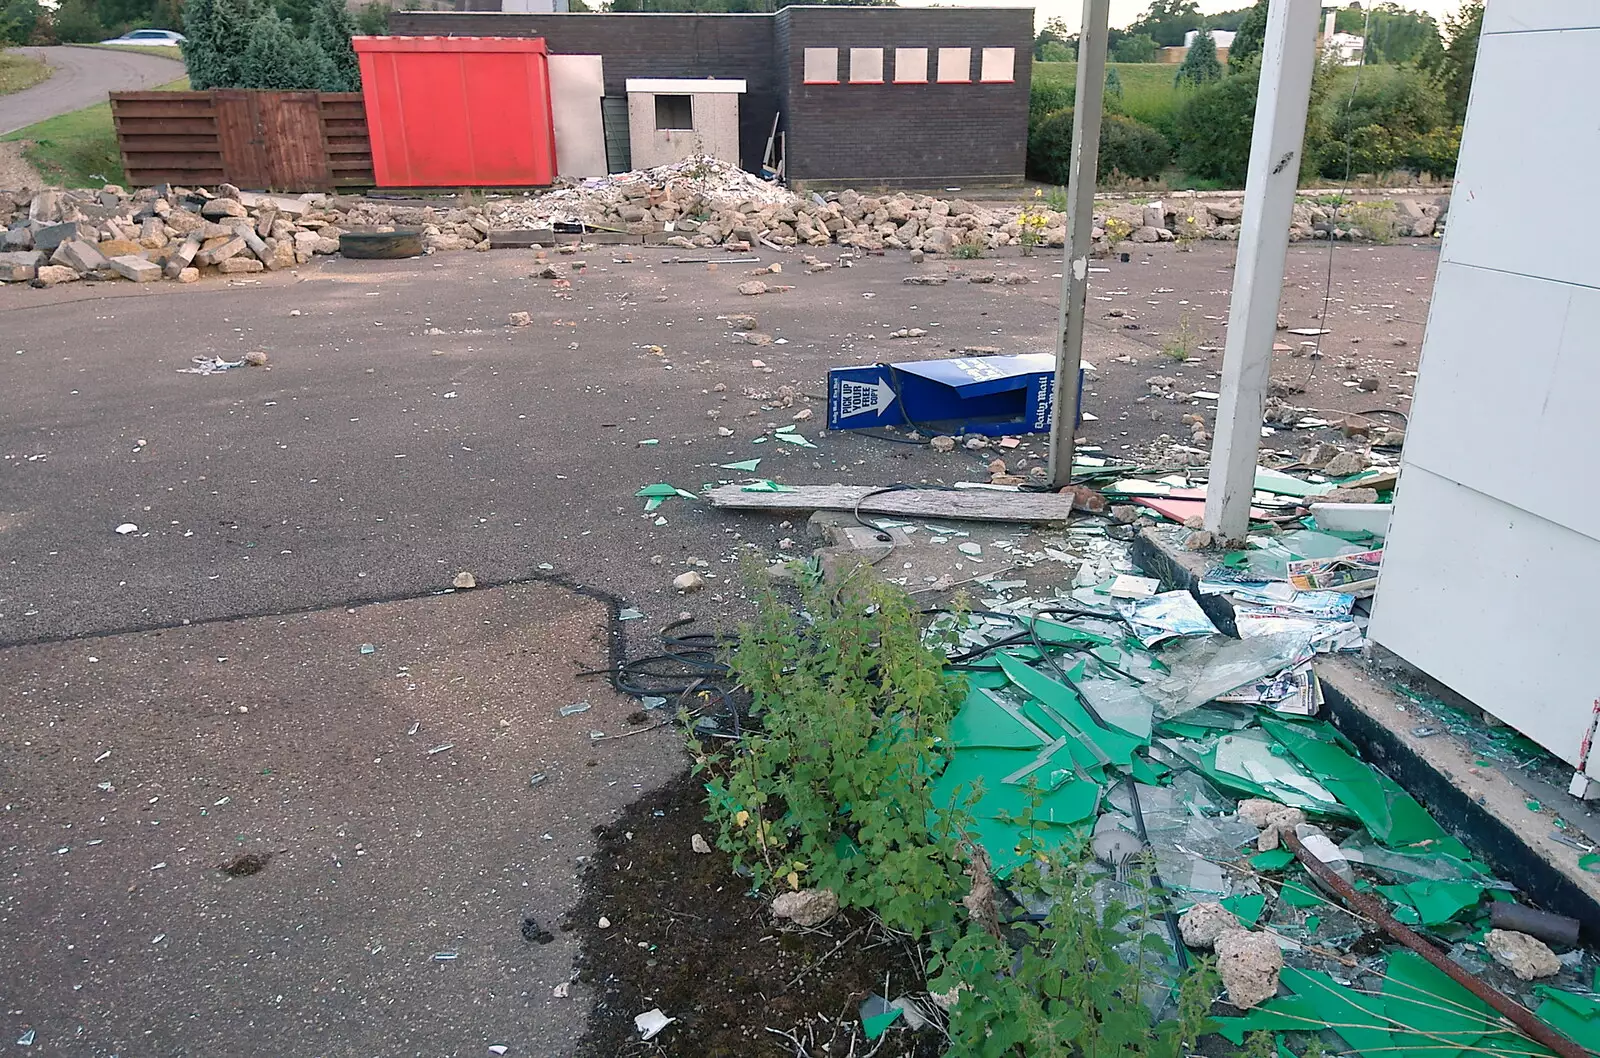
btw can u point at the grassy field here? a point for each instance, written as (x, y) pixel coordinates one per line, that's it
(18, 72)
(1149, 91)
(79, 149)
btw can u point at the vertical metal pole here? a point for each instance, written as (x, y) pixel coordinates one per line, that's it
(1289, 57)
(1080, 227)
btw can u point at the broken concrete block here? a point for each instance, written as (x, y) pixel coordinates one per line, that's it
(80, 254)
(14, 239)
(1202, 924)
(240, 266)
(182, 256)
(752, 287)
(280, 254)
(50, 275)
(1527, 957)
(119, 247)
(219, 249)
(218, 208)
(19, 266)
(189, 275)
(47, 239)
(1345, 464)
(1249, 964)
(808, 907)
(135, 268)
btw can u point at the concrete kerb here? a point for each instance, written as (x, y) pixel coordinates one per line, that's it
(1476, 802)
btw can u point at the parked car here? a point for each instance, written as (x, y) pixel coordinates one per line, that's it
(149, 37)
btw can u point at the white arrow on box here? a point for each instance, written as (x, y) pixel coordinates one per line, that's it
(862, 398)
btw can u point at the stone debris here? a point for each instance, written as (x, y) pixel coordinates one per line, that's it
(1527, 957)
(1202, 924)
(708, 203)
(255, 358)
(520, 319)
(808, 907)
(1249, 964)
(699, 845)
(943, 444)
(464, 580)
(688, 582)
(165, 232)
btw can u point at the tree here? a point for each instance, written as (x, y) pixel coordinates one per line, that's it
(1393, 34)
(1200, 65)
(1250, 37)
(277, 59)
(1137, 47)
(1051, 42)
(18, 20)
(1228, 20)
(1168, 20)
(77, 22)
(217, 32)
(331, 29)
(373, 19)
(1113, 84)
(1451, 66)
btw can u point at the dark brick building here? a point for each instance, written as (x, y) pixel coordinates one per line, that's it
(865, 96)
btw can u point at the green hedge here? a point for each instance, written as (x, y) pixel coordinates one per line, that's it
(1127, 147)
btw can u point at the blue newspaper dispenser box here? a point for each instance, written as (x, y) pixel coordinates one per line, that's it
(991, 395)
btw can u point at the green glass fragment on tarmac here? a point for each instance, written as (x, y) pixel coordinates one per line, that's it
(746, 465)
(662, 490)
(1247, 909)
(1275, 860)
(765, 486)
(1589, 861)
(1435, 902)
(1116, 745)
(1390, 814)
(794, 439)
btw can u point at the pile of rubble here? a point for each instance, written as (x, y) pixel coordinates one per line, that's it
(706, 202)
(55, 236)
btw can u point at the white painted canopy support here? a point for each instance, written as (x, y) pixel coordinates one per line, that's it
(1289, 57)
(1080, 234)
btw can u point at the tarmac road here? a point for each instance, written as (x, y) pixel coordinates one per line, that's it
(401, 432)
(81, 77)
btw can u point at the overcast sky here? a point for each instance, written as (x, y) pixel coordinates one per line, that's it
(1125, 11)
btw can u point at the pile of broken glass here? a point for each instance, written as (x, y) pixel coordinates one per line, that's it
(1120, 712)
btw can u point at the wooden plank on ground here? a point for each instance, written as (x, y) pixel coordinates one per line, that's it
(982, 505)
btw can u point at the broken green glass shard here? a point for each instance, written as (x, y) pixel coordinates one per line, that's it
(985, 721)
(765, 486)
(1435, 902)
(1575, 1016)
(1247, 909)
(661, 490)
(878, 1024)
(745, 465)
(795, 439)
(1389, 813)
(1117, 746)
(1275, 860)
(1298, 893)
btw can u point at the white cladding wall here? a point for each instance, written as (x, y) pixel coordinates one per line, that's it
(1491, 576)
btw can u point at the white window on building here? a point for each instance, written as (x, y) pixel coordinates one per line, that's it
(999, 65)
(822, 66)
(911, 66)
(955, 65)
(866, 66)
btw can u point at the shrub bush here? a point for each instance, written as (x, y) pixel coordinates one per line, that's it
(1128, 147)
(1213, 127)
(1381, 115)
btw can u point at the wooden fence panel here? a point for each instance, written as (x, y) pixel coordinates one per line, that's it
(278, 141)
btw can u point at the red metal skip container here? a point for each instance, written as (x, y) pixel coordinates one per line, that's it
(458, 111)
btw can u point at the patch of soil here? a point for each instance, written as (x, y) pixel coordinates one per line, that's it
(686, 937)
